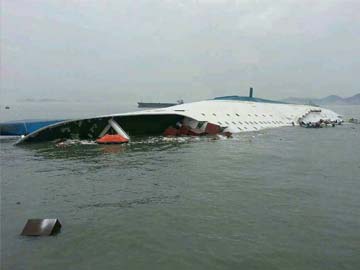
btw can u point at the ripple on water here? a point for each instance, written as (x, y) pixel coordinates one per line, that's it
(275, 199)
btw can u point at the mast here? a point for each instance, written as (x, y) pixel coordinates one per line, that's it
(251, 92)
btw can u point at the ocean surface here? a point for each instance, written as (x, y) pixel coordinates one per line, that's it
(286, 198)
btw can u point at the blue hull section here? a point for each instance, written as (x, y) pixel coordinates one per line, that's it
(18, 128)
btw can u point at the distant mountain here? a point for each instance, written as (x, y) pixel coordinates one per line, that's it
(354, 100)
(329, 100)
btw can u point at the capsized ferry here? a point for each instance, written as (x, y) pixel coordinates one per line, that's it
(228, 114)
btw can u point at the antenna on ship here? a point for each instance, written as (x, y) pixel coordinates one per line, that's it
(251, 92)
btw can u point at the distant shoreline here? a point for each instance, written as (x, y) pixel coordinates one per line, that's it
(329, 100)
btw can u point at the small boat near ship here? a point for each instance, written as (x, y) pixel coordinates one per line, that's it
(222, 115)
(354, 121)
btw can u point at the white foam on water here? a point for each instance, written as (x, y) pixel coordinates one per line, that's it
(75, 142)
(164, 139)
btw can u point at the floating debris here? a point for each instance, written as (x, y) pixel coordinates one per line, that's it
(320, 124)
(41, 227)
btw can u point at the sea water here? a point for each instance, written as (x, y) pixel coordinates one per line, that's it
(285, 198)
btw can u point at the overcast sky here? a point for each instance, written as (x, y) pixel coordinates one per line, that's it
(162, 50)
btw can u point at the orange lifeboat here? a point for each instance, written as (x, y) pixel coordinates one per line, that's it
(112, 139)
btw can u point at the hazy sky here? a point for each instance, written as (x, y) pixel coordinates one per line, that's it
(162, 50)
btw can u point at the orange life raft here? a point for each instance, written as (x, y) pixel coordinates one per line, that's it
(112, 139)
